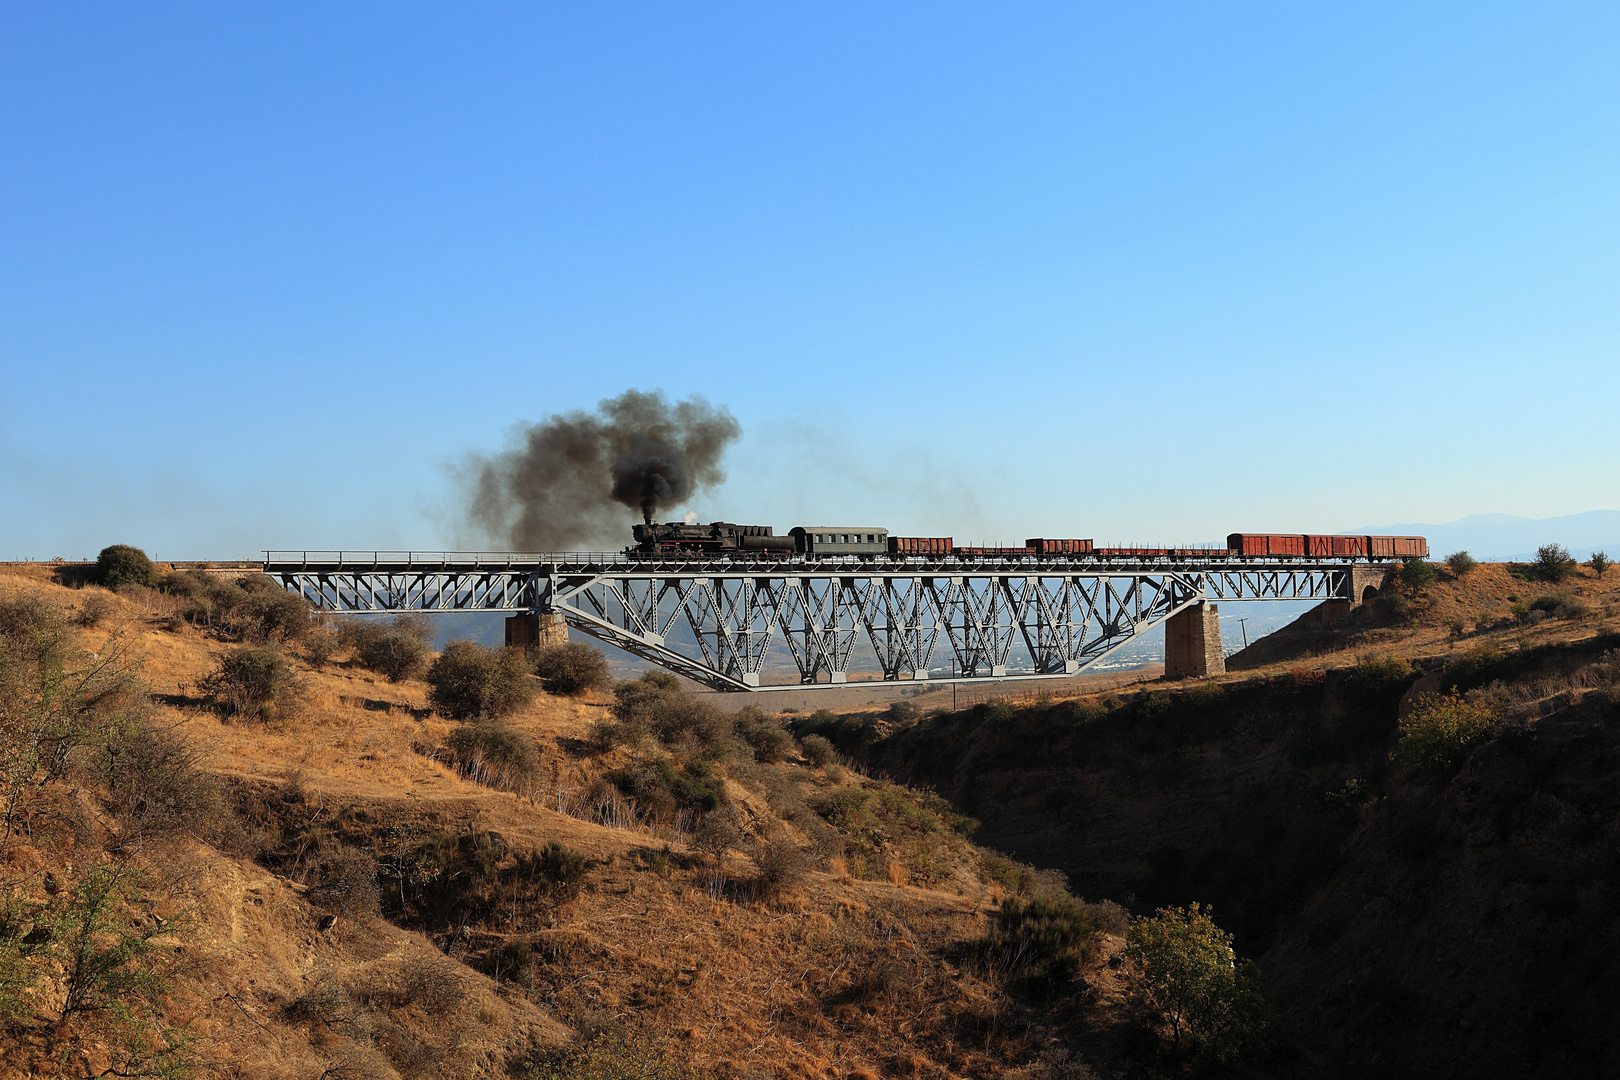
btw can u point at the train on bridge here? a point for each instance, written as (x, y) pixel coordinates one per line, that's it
(679, 539)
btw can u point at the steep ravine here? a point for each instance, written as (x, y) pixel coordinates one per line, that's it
(1460, 927)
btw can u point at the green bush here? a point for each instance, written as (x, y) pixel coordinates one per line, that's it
(560, 865)
(817, 750)
(254, 682)
(1010, 874)
(1599, 563)
(120, 565)
(572, 668)
(661, 790)
(1561, 606)
(1045, 940)
(396, 650)
(1417, 574)
(1378, 682)
(1437, 735)
(1192, 977)
(1461, 562)
(469, 680)
(1553, 562)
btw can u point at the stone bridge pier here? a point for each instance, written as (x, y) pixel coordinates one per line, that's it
(533, 631)
(1192, 643)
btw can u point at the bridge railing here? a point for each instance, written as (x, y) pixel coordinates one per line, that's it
(355, 560)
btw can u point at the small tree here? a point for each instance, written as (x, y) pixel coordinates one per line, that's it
(1417, 574)
(1599, 563)
(1553, 562)
(1461, 562)
(120, 565)
(1192, 976)
(105, 954)
(717, 835)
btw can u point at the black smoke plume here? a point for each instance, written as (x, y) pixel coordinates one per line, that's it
(565, 482)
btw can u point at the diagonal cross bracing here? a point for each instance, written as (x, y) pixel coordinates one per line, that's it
(942, 618)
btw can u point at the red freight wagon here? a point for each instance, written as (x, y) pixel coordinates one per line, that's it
(1288, 545)
(1381, 547)
(1318, 547)
(920, 545)
(1252, 544)
(1411, 547)
(1059, 547)
(991, 552)
(1350, 546)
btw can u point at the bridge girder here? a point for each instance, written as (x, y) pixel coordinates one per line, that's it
(915, 615)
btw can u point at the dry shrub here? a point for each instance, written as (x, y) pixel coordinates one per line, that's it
(320, 643)
(571, 668)
(469, 680)
(93, 608)
(817, 750)
(782, 865)
(765, 735)
(656, 703)
(493, 752)
(431, 981)
(347, 884)
(254, 682)
(156, 787)
(396, 649)
(717, 834)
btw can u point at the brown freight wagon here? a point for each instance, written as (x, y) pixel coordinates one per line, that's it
(920, 545)
(991, 552)
(1349, 547)
(1059, 547)
(1410, 547)
(1318, 547)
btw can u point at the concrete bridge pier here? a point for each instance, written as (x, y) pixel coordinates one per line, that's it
(533, 631)
(1192, 643)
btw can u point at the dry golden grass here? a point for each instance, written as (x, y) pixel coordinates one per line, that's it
(801, 984)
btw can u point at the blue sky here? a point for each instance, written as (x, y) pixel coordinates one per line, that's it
(1137, 272)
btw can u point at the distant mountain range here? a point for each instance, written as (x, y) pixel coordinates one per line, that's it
(1506, 538)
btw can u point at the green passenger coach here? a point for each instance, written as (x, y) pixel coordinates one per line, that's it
(840, 539)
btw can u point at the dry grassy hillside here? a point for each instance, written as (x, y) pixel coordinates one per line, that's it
(361, 898)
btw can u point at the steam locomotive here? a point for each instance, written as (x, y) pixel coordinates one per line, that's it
(679, 539)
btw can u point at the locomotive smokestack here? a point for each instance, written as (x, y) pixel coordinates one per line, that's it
(560, 484)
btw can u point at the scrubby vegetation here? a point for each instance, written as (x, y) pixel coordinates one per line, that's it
(467, 680)
(254, 682)
(396, 649)
(1461, 563)
(571, 668)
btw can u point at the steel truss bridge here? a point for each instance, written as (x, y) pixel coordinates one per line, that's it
(918, 615)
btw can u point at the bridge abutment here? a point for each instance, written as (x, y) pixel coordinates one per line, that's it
(1192, 643)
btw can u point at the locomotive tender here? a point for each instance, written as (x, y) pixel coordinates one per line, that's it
(679, 539)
